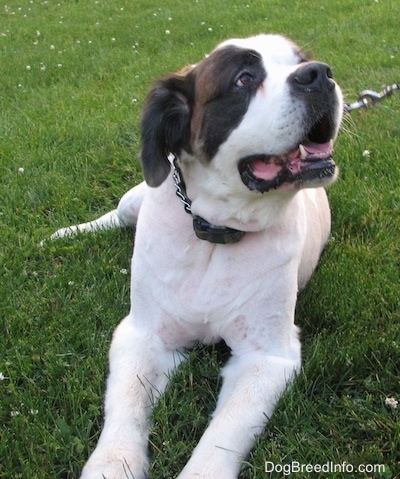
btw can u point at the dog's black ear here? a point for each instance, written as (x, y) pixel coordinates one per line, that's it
(165, 125)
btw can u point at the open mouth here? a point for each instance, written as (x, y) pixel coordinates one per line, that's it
(309, 164)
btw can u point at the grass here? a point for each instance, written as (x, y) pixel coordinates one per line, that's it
(74, 76)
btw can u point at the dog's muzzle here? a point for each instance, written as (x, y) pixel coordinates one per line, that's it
(309, 163)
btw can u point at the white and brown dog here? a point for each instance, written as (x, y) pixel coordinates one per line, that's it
(245, 138)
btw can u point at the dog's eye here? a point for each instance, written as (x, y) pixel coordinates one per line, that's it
(244, 79)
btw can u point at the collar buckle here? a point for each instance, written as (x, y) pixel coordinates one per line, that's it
(215, 234)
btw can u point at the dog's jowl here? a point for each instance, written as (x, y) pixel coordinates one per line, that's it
(245, 137)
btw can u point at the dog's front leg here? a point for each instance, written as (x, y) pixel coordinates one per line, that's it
(253, 383)
(139, 369)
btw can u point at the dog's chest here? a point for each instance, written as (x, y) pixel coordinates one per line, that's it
(197, 291)
(190, 289)
(201, 281)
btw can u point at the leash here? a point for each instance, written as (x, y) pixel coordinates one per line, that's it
(370, 98)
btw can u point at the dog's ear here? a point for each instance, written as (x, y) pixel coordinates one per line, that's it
(165, 125)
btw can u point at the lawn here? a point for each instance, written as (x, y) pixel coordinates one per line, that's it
(73, 78)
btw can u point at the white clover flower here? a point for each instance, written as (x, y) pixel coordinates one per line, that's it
(366, 153)
(167, 32)
(52, 47)
(14, 413)
(21, 170)
(28, 67)
(391, 403)
(123, 271)
(2, 377)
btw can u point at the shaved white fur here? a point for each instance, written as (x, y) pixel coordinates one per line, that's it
(185, 290)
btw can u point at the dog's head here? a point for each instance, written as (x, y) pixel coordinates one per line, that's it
(256, 111)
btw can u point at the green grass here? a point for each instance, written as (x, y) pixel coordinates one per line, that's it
(73, 77)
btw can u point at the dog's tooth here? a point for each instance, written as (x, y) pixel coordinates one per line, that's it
(331, 144)
(303, 152)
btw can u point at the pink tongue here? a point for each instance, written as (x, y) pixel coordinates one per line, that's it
(265, 171)
(269, 171)
(319, 148)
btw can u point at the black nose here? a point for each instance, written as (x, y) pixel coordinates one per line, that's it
(313, 77)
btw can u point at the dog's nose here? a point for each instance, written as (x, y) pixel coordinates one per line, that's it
(313, 77)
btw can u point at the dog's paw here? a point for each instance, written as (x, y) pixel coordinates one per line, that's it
(108, 465)
(112, 471)
(207, 472)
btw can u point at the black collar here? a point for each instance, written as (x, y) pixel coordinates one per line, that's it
(203, 229)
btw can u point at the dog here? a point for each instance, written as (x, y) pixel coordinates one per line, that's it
(230, 224)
